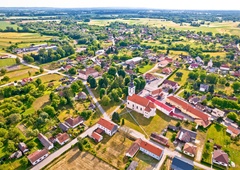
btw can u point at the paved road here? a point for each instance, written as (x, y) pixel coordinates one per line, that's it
(60, 151)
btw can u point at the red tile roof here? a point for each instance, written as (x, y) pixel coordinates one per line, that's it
(160, 104)
(73, 121)
(62, 137)
(134, 148)
(169, 82)
(149, 76)
(220, 156)
(141, 101)
(167, 70)
(156, 92)
(107, 124)
(190, 148)
(234, 130)
(36, 155)
(151, 148)
(197, 114)
(96, 136)
(88, 71)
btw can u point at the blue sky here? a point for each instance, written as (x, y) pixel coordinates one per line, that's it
(158, 4)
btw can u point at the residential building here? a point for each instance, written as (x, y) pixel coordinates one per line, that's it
(45, 142)
(233, 131)
(145, 147)
(67, 67)
(26, 81)
(96, 136)
(224, 67)
(149, 77)
(167, 70)
(163, 63)
(74, 122)
(173, 128)
(63, 127)
(193, 66)
(16, 155)
(180, 164)
(161, 106)
(199, 117)
(170, 85)
(62, 138)
(156, 93)
(108, 126)
(37, 156)
(134, 60)
(81, 96)
(159, 138)
(190, 149)
(217, 113)
(84, 74)
(23, 147)
(141, 105)
(204, 87)
(220, 157)
(185, 135)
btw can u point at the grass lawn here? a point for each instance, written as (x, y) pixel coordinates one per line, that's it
(216, 134)
(144, 161)
(145, 68)
(184, 78)
(112, 149)
(41, 102)
(7, 62)
(75, 159)
(153, 124)
(227, 90)
(214, 54)
(51, 78)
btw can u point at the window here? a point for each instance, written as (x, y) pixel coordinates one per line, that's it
(137, 107)
(140, 108)
(128, 102)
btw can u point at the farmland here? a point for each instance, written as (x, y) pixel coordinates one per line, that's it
(5, 24)
(7, 62)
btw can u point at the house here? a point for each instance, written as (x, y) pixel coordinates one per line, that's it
(217, 113)
(133, 165)
(156, 93)
(210, 64)
(74, 122)
(233, 131)
(81, 96)
(149, 77)
(141, 105)
(193, 66)
(199, 60)
(167, 70)
(62, 138)
(63, 127)
(161, 106)
(163, 63)
(220, 157)
(23, 147)
(194, 100)
(84, 74)
(180, 164)
(236, 73)
(159, 138)
(204, 87)
(185, 135)
(67, 67)
(190, 149)
(224, 67)
(37, 156)
(170, 85)
(16, 155)
(96, 136)
(108, 126)
(145, 147)
(99, 52)
(26, 81)
(199, 117)
(45, 142)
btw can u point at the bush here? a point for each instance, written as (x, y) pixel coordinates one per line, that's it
(122, 106)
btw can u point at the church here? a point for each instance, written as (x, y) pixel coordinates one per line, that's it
(140, 104)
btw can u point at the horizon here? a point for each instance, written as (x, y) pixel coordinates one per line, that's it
(125, 4)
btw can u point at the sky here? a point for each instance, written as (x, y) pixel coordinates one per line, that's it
(156, 4)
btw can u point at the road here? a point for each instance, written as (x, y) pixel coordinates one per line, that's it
(60, 151)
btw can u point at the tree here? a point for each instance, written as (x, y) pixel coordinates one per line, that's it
(179, 74)
(222, 80)
(115, 117)
(5, 78)
(50, 110)
(17, 60)
(72, 71)
(14, 118)
(75, 87)
(38, 81)
(123, 122)
(105, 100)
(203, 77)
(92, 81)
(3, 71)
(211, 89)
(236, 86)
(122, 73)
(211, 78)
(41, 70)
(102, 92)
(233, 116)
(193, 75)
(29, 73)
(112, 71)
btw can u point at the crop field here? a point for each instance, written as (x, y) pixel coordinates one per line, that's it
(74, 159)
(215, 27)
(6, 39)
(7, 62)
(4, 24)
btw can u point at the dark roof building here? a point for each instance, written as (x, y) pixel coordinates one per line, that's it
(179, 164)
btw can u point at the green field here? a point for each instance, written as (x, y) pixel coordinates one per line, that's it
(7, 39)
(215, 27)
(4, 24)
(146, 68)
(184, 78)
(7, 62)
(216, 134)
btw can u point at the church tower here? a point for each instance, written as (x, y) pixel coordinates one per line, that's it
(131, 87)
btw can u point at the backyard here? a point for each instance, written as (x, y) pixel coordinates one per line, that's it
(180, 81)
